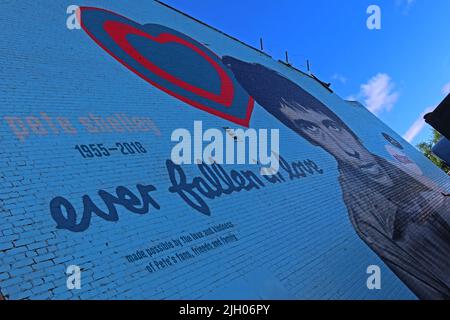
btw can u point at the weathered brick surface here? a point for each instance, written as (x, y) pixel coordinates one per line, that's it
(295, 238)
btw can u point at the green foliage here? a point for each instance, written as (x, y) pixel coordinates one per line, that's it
(426, 148)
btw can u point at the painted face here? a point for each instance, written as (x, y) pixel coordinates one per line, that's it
(331, 136)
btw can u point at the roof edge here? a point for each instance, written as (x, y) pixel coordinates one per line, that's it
(213, 28)
(285, 64)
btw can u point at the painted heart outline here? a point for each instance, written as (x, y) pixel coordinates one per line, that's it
(116, 34)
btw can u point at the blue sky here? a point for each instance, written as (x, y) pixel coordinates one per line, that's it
(399, 72)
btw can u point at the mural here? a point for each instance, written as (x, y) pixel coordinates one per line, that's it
(404, 220)
(86, 178)
(407, 227)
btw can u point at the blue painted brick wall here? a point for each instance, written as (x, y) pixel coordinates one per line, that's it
(294, 239)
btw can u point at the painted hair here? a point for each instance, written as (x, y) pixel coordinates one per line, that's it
(270, 90)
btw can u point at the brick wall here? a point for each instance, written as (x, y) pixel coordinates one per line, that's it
(294, 238)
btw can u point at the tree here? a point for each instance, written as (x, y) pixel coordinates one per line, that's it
(426, 148)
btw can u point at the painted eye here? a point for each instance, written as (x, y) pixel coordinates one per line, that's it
(334, 126)
(311, 128)
(307, 126)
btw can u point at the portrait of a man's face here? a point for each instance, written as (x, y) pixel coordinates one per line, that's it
(391, 211)
(306, 115)
(328, 133)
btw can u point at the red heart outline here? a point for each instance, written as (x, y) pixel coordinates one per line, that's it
(223, 98)
(119, 31)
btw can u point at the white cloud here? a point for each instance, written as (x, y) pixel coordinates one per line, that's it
(404, 5)
(420, 123)
(340, 78)
(379, 94)
(417, 126)
(446, 89)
